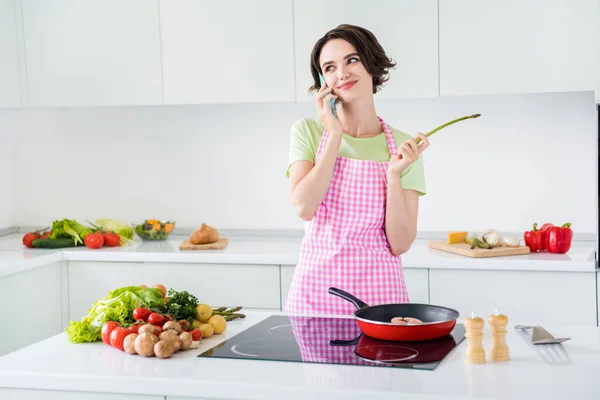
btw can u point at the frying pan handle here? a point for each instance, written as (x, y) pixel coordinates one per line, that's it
(344, 342)
(347, 296)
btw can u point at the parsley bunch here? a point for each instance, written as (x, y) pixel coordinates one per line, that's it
(181, 305)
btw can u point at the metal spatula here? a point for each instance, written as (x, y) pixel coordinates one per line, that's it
(541, 336)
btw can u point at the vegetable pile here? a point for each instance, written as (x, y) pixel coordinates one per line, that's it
(70, 233)
(152, 229)
(145, 321)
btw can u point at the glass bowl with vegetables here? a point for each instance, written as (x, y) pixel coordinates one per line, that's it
(153, 229)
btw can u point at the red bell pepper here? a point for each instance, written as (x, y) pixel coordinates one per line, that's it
(558, 238)
(534, 239)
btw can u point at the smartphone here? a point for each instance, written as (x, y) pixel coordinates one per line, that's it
(332, 101)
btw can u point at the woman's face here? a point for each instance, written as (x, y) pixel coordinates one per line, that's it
(344, 72)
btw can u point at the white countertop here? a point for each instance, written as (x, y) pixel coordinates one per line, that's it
(545, 372)
(14, 257)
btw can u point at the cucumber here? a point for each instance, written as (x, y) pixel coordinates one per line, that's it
(53, 243)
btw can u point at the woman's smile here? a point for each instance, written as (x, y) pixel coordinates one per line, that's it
(347, 85)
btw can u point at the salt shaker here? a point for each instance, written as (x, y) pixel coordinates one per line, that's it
(474, 353)
(498, 347)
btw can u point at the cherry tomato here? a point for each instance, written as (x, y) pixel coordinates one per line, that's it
(46, 235)
(28, 238)
(117, 336)
(196, 334)
(157, 319)
(141, 313)
(185, 325)
(94, 241)
(111, 239)
(106, 330)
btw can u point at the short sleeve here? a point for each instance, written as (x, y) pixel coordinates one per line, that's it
(301, 144)
(413, 178)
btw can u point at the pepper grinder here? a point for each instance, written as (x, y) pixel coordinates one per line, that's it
(498, 347)
(474, 353)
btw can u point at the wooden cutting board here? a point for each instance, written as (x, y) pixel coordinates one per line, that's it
(464, 249)
(218, 245)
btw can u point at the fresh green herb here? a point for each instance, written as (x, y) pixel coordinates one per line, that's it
(181, 305)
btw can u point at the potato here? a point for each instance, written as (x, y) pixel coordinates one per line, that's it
(144, 344)
(163, 349)
(207, 330)
(129, 343)
(186, 340)
(172, 325)
(166, 334)
(218, 323)
(148, 328)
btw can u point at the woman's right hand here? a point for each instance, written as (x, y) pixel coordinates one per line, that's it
(332, 124)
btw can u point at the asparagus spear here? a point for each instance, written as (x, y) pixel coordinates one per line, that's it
(418, 140)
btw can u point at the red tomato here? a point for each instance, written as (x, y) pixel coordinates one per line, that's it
(141, 313)
(117, 336)
(45, 235)
(157, 319)
(196, 334)
(94, 241)
(28, 238)
(111, 239)
(185, 325)
(106, 330)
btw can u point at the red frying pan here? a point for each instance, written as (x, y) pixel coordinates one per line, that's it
(375, 321)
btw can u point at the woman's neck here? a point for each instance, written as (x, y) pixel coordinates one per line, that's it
(359, 118)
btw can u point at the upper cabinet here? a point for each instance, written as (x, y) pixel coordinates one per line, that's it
(227, 52)
(92, 53)
(406, 29)
(516, 46)
(10, 87)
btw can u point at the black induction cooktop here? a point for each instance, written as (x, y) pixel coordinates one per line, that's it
(331, 341)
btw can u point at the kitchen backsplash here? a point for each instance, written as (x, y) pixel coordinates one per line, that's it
(527, 158)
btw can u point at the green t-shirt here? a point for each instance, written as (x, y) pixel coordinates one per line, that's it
(306, 135)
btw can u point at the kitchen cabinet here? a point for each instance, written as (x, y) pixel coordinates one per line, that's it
(33, 305)
(233, 52)
(10, 86)
(526, 297)
(246, 285)
(28, 394)
(249, 285)
(417, 283)
(406, 29)
(516, 46)
(598, 52)
(92, 53)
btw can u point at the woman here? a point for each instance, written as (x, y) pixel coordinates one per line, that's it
(348, 177)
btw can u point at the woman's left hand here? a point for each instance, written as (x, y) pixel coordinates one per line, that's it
(407, 153)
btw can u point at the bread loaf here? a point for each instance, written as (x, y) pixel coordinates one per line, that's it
(204, 234)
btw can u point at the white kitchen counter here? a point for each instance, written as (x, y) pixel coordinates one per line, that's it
(546, 372)
(282, 251)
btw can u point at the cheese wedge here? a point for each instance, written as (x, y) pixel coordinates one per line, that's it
(457, 237)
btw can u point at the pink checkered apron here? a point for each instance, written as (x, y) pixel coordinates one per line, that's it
(345, 245)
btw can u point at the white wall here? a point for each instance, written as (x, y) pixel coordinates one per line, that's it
(527, 158)
(7, 138)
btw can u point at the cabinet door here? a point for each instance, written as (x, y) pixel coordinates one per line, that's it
(417, 283)
(406, 29)
(227, 52)
(246, 285)
(90, 281)
(526, 297)
(92, 53)
(516, 46)
(10, 87)
(32, 304)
